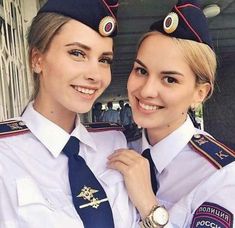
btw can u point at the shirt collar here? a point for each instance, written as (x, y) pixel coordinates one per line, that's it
(51, 135)
(168, 148)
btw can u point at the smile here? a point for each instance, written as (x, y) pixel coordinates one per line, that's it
(84, 90)
(149, 107)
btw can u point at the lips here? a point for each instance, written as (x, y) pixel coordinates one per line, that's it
(84, 90)
(149, 107)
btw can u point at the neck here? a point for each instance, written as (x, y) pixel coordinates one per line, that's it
(58, 115)
(155, 135)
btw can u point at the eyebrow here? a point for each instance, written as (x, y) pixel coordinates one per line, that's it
(87, 48)
(140, 62)
(79, 45)
(171, 72)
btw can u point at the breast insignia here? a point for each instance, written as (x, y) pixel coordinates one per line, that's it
(102, 126)
(12, 127)
(215, 152)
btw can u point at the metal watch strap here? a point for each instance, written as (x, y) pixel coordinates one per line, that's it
(147, 223)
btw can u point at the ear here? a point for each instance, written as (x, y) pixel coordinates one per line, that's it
(200, 94)
(36, 61)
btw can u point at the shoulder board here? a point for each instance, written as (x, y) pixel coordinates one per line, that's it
(102, 126)
(215, 152)
(12, 127)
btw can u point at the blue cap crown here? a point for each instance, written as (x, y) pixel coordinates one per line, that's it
(186, 21)
(99, 15)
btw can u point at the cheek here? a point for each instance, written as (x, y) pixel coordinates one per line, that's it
(180, 101)
(52, 71)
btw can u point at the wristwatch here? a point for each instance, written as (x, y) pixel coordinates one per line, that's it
(157, 218)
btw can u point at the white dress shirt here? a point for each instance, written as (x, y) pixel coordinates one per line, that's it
(187, 179)
(34, 184)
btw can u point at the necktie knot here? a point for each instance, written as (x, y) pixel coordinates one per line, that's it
(146, 154)
(72, 147)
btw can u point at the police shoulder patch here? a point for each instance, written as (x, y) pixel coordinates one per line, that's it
(212, 215)
(103, 126)
(12, 127)
(215, 152)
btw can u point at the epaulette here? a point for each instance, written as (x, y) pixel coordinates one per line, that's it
(215, 152)
(102, 126)
(12, 127)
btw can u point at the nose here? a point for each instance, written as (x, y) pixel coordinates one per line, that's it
(93, 73)
(150, 88)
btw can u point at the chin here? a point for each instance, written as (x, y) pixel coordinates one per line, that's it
(84, 110)
(142, 122)
(80, 108)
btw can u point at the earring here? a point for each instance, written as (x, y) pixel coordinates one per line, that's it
(36, 70)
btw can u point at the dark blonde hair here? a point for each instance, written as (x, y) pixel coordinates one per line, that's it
(40, 34)
(199, 56)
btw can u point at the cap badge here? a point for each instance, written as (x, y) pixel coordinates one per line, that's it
(171, 22)
(107, 26)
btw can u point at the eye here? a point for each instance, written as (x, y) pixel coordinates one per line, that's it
(169, 80)
(77, 53)
(106, 60)
(140, 71)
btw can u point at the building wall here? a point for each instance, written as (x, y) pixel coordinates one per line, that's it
(15, 76)
(219, 111)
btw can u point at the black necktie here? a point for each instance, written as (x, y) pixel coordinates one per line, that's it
(153, 170)
(89, 197)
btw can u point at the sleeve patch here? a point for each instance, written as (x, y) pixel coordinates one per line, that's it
(212, 215)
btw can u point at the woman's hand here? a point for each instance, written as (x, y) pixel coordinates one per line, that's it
(136, 173)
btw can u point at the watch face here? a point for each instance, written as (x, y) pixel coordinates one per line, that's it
(160, 216)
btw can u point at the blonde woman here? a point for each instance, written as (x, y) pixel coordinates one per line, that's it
(53, 172)
(186, 178)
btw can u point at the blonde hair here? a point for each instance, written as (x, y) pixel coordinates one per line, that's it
(40, 34)
(199, 56)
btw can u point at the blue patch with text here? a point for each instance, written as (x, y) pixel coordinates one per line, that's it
(212, 215)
